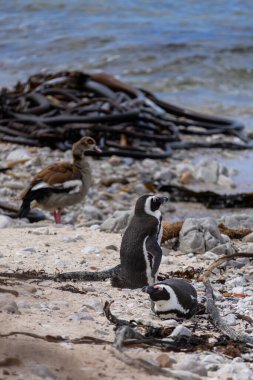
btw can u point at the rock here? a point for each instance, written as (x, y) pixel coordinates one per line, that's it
(181, 331)
(8, 305)
(212, 361)
(248, 238)
(115, 161)
(5, 221)
(192, 364)
(230, 319)
(207, 171)
(95, 304)
(248, 248)
(81, 316)
(238, 290)
(186, 178)
(112, 247)
(224, 249)
(235, 371)
(18, 154)
(170, 323)
(90, 250)
(199, 235)
(117, 222)
(165, 361)
(237, 221)
(92, 213)
(210, 255)
(236, 281)
(26, 250)
(163, 176)
(226, 182)
(43, 372)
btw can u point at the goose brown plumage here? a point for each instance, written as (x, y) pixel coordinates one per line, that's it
(60, 184)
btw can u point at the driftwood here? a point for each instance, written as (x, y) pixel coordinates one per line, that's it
(213, 311)
(55, 110)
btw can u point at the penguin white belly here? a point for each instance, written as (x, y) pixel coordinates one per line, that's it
(150, 279)
(171, 304)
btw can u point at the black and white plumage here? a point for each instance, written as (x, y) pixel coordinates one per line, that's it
(140, 251)
(173, 297)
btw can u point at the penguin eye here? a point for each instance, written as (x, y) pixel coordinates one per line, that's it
(158, 288)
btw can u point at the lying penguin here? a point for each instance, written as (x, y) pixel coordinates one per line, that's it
(173, 297)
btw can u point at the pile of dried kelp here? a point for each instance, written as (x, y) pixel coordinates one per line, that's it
(55, 110)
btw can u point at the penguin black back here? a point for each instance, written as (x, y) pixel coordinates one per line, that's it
(173, 296)
(140, 252)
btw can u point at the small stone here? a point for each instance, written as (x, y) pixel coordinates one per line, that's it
(165, 361)
(18, 154)
(248, 238)
(81, 316)
(192, 364)
(26, 250)
(236, 281)
(230, 319)
(68, 239)
(117, 222)
(226, 182)
(238, 290)
(5, 221)
(90, 250)
(7, 305)
(186, 178)
(115, 160)
(43, 372)
(181, 331)
(170, 323)
(112, 247)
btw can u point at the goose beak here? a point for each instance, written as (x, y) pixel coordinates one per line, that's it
(97, 149)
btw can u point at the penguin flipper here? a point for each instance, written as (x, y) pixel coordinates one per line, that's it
(155, 250)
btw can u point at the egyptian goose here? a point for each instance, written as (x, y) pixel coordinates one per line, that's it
(60, 184)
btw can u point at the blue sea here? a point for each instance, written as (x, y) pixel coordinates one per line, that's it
(196, 54)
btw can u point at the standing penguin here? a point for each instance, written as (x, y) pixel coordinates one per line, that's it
(173, 297)
(140, 251)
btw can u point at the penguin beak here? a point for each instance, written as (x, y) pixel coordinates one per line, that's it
(145, 289)
(148, 289)
(161, 200)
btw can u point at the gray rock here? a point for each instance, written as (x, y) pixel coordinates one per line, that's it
(26, 250)
(248, 248)
(181, 331)
(92, 213)
(236, 281)
(117, 222)
(18, 154)
(192, 364)
(163, 176)
(5, 221)
(237, 221)
(8, 305)
(224, 249)
(248, 238)
(225, 181)
(43, 372)
(81, 316)
(230, 319)
(90, 250)
(199, 235)
(235, 371)
(207, 171)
